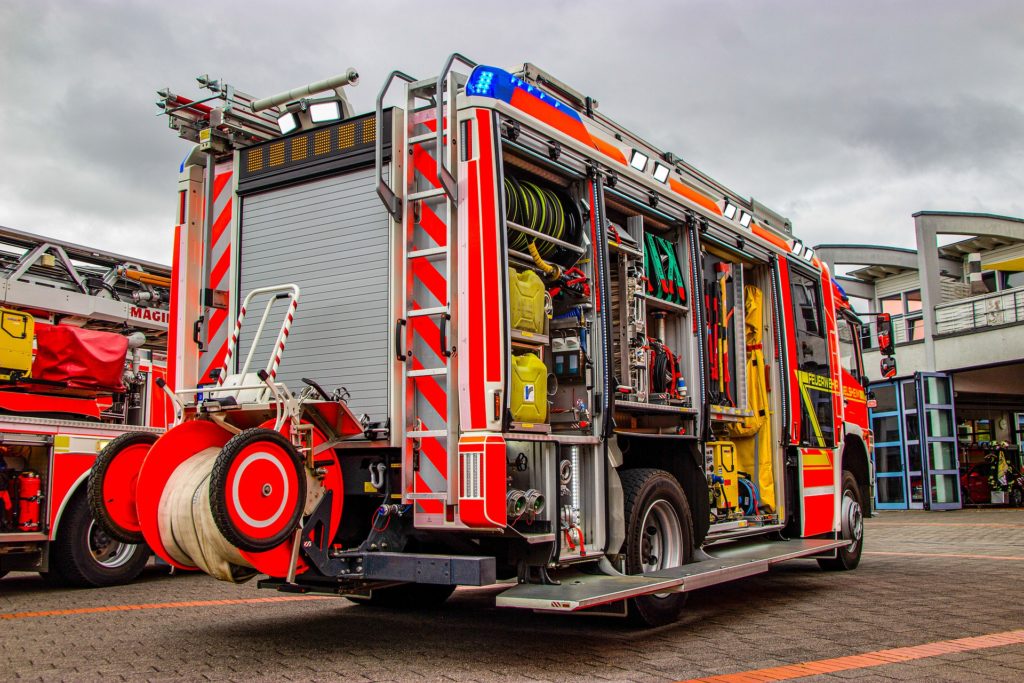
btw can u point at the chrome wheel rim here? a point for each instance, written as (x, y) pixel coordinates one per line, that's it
(853, 520)
(106, 551)
(660, 537)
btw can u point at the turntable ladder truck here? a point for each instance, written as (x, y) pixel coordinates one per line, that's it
(83, 336)
(489, 336)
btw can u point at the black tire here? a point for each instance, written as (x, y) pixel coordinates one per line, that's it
(84, 556)
(95, 490)
(848, 558)
(219, 487)
(655, 492)
(411, 596)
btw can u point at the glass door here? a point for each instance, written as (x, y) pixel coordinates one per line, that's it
(890, 470)
(912, 444)
(937, 440)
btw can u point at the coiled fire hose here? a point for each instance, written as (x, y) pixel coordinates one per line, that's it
(187, 528)
(546, 211)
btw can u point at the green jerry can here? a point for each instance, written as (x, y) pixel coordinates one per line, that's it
(529, 389)
(526, 301)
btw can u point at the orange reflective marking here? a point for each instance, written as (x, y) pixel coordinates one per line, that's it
(995, 525)
(159, 605)
(609, 150)
(965, 556)
(868, 659)
(694, 196)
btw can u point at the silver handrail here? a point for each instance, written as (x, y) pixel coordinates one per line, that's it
(384, 191)
(443, 174)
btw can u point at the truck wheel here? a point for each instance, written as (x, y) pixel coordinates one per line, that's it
(852, 519)
(84, 555)
(412, 596)
(112, 482)
(659, 535)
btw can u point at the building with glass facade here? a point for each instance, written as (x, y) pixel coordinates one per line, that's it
(948, 428)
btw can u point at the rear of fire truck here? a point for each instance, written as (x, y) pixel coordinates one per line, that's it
(82, 334)
(488, 335)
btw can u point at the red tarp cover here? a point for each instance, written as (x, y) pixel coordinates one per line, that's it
(85, 359)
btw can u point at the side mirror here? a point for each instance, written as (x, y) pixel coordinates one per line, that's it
(888, 367)
(883, 328)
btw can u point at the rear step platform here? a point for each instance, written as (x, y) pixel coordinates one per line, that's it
(734, 561)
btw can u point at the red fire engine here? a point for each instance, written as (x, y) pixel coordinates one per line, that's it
(82, 340)
(536, 351)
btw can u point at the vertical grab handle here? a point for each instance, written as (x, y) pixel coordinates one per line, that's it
(399, 325)
(443, 174)
(384, 191)
(445, 350)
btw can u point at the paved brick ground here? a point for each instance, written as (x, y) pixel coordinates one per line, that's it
(898, 597)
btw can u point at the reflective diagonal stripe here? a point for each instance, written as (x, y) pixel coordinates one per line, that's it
(219, 257)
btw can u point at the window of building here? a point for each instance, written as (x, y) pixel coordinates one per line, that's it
(915, 329)
(892, 304)
(906, 309)
(913, 301)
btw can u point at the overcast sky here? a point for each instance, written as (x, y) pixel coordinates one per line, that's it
(844, 116)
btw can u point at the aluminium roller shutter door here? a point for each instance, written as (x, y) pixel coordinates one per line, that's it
(330, 237)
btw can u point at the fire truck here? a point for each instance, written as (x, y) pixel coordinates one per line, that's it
(533, 351)
(83, 337)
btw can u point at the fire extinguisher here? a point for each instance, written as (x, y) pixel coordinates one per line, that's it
(29, 498)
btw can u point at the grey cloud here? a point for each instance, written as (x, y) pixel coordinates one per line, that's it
(847, 117)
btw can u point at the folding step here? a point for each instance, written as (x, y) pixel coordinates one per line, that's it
(579, 591)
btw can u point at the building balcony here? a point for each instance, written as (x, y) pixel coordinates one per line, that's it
(977, 313)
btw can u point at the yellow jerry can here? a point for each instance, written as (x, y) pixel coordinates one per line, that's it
(17, 331)
(529, 401)
(526, 301)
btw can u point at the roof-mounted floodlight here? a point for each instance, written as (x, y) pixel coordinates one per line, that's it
(287, 123)
(729, 211)
(745, 219)
(661, 172)
(797, 247)
(322, 112)
(639, 160)
(808, 254)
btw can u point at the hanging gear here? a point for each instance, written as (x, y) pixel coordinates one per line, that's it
(753, 436)
(664, 276)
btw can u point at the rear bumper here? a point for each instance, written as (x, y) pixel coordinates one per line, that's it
(352, 570)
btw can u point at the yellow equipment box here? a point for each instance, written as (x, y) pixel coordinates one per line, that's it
(526, 301)
(17, 330)
(722, 455)
(529, 401)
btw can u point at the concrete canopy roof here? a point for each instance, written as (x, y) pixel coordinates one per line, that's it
(884, 261)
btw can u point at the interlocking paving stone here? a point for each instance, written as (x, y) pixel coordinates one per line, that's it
(796, 614)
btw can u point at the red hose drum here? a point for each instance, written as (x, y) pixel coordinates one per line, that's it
(113, 485)
(258, 489)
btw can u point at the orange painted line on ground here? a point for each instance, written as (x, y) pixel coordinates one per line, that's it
(965, 556)
(995, 525)
(868, 659)
(159, 605)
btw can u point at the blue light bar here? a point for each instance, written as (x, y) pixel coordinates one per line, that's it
(490, 81)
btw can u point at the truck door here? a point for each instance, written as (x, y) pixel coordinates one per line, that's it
(813, 429)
